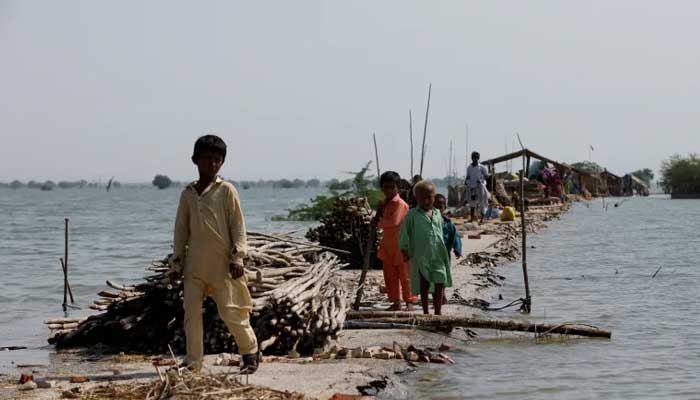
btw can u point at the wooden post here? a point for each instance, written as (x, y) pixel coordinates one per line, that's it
(527, 167)
(425, 130)
(526, 307)
(70, 292)
(451, 172)
(365, 265)
(65, 267)
(376, 155)
(410, 132)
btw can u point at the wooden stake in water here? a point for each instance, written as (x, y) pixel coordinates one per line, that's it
(65, 268)
(70, 292)
(527, 304)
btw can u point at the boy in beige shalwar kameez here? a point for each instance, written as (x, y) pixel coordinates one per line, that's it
(210, 239)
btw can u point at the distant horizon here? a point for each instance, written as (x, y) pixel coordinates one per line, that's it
(341, 177)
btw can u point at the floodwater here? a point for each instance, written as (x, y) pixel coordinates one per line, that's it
(112, 236)
(593, 266)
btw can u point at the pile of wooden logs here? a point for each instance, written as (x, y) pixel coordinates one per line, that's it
(298, 304)
(347, 228)
(303, 313)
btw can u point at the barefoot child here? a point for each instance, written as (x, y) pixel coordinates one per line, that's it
(210, 244)
(450, 235)
(391, 213)
(422, 243)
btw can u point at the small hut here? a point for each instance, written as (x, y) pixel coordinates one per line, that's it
(540, 187)
(613, 183)
(631, 185)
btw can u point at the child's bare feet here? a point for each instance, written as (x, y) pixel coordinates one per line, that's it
(409, 307)
(395, 307)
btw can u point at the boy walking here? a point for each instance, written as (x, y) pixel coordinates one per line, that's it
(422, 243)
(210, 244)
(390, 214)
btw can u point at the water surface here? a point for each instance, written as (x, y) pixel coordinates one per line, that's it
(112, 235)
(595, 267)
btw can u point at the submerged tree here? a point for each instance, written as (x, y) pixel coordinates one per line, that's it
(162, 181)
(313, 183)
(681, 175)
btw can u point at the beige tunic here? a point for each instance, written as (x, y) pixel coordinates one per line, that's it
(210, 230)
(209, 236)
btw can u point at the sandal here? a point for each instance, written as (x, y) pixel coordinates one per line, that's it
(251, 362)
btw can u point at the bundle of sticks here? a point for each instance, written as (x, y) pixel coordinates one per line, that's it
(346, 227)
(298, 303)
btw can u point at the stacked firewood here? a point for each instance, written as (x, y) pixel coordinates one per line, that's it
(298, 304)
(347, 228)
(303, 313)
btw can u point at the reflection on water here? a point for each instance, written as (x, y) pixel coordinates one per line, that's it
(595, 267)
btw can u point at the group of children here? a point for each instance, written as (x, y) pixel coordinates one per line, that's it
(210, 246)
(416, 244)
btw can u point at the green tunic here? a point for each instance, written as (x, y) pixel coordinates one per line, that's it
(422, 238)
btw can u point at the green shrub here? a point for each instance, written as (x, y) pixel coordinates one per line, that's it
(681, 175)
(361, 185)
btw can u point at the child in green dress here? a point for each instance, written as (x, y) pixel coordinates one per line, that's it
(421, 241)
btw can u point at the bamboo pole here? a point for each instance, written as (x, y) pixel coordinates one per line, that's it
(527, 303)
(410, 132)
(65, 272)
(425, 130)
(65, 267)
(451, 171)
(376, 155)
(466, 147)
(442, 321)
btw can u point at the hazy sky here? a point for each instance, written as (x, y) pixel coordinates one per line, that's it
(91, 89)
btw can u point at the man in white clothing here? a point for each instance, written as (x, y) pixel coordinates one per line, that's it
(477, 195)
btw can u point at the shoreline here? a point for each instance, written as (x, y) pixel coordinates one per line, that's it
(476, 279)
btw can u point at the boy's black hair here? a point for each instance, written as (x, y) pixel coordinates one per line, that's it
(476, 154)
(390, 177)
(440, 196)
(211, 143)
